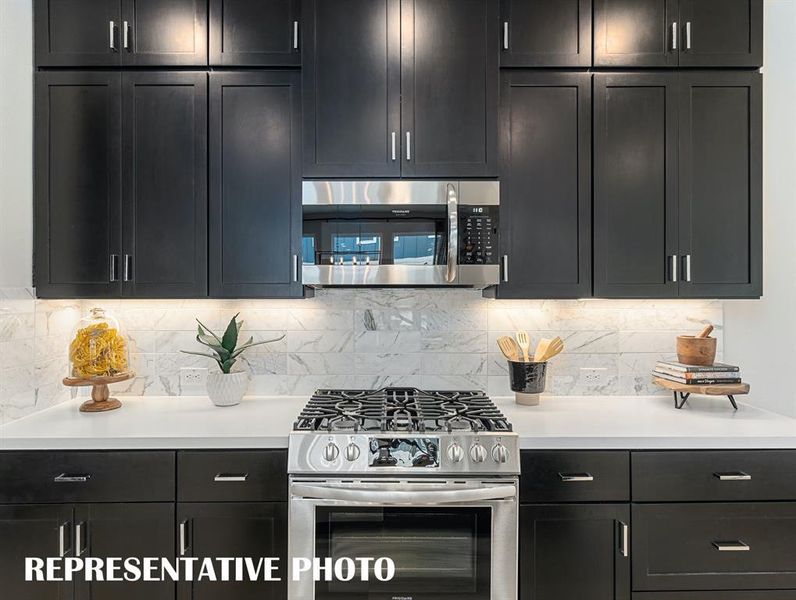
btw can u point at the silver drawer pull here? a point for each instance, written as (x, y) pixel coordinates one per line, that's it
(66, 478)
(229, 477)
(737, 546)
(733, 476)
(63, 529)
(183, 534)
(576, 477)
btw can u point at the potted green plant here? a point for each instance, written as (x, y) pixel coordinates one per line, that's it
(225, 387)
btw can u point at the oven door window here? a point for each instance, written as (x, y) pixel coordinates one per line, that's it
(375, 235)
(439, 552)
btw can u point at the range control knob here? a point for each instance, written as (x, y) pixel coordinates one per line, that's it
(351, 452)
(478, 452)
(455, 452)
(331, 452)
(500, 453)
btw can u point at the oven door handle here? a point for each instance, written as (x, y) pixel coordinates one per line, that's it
(446, 496)
(453, 234)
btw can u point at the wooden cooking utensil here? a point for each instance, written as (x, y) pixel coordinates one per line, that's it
(541, 349)
(524, 342)
(555, 348)
(509, 348)
(705, 332)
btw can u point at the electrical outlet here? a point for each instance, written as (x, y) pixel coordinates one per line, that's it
(192, 381)
(594, 376)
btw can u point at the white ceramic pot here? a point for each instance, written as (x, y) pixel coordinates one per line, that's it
(227, 389)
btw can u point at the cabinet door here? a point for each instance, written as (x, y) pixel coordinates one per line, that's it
(635, 33)
(546, 33)
(449, 88)
(33, 531)
(77, 33)
(254, 32)
(635, 185)
(721, 184)
(352, 88)
(255, 184)
(77, 185)
(234, 529)
(164, 32)
(721, 33)
(125, 530)
(546, 184)
(165, 184)
(574, 551)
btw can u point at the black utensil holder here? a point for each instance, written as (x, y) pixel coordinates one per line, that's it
(527, 377)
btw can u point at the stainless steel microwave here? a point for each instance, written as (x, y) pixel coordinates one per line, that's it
(400, 233)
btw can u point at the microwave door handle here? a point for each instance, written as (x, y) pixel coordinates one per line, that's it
(453, 234)
(446, 496)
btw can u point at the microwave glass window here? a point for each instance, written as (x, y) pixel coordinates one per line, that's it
(308, 249)
(417, 249)
(355, 249)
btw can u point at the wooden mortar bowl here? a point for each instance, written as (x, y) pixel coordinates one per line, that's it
(696, 351)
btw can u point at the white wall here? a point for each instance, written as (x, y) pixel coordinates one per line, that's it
(761, 335)
(16, 142)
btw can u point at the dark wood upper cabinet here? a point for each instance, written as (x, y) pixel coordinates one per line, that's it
(77, 32)
(545, 137)
(164, 126)
(546, 33)
(77, 185)
(255, 32)
(351, 83)
(720, 172)
(635, 33)
(255, 184)
(574, 551)
(721, 33)
(163, 32)
(635, 185)
(449, 88)
(113, 530)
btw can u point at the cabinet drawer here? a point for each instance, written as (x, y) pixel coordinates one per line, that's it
(714, 476)
(758, 595)
(252, 476)
(714, 546)
(113, 476)
(563, 476)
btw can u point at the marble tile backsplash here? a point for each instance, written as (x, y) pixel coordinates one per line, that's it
(354, 338)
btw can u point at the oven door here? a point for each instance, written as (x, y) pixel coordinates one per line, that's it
(448, 539)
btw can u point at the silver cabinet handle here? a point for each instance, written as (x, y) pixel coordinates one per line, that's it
(114, 268)
(453, 234)
(505, 35)
(688, 35)
(295, 35)
(66, 478)
(128, 267)
(126, 35)
(733, 476)
(688, 267)
(112, 25)
(673, 258)
(674, 35)
(624, 539)
(230, 478)
(295, 267)
(184, 538)
(505, 268)
(408, 145)
(63, 530)
(81, 544)
(736, 546)
(576, 477)
(394, 150)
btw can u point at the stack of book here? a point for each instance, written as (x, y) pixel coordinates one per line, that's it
(716, 373)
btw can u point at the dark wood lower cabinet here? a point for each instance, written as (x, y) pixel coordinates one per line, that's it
(573, 551)
(757, 595)
(245, 529)
(33, 531)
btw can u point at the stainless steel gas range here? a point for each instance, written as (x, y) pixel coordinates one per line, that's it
(426, 478)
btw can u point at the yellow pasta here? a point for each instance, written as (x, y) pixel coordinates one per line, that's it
(98, 351)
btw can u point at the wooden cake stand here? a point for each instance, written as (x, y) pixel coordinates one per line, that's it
(717, 389)
(100, 394)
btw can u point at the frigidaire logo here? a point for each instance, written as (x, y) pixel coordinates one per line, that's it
(401, 211)
(402, 598)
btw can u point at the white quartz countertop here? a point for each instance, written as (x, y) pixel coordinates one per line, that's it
(558, 423)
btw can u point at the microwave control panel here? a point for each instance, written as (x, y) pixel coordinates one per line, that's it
(478, 235)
